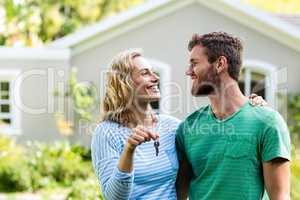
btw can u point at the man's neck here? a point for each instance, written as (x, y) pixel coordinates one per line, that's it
(227, 100)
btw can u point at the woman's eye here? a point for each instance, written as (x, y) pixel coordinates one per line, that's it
(144, 72)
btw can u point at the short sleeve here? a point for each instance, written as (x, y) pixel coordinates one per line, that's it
(276, 139)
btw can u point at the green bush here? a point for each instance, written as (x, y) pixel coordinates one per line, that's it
(295, 169)
(85, 189)
(294, 125)
(14, 173)
(85, 153)
(294, 117)
(57, 163)
(41, 166)
(14, 177)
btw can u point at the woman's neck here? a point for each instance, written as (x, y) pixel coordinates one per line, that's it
(143, 114)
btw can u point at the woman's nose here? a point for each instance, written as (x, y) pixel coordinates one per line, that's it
(155, 77)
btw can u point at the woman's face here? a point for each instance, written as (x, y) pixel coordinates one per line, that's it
(145, 80)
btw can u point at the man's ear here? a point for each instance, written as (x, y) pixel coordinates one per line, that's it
(221, 64)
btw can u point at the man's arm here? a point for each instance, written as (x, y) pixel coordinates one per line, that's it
(183, 180)
(277, 178)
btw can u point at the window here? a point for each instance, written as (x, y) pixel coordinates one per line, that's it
(259, 78)
(155, 104)
(252, 82)
(5, 104)
(9, 116)
(163, 71)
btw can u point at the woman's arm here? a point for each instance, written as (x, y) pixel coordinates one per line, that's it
(106, 151)
(139, 135)
(114, 166)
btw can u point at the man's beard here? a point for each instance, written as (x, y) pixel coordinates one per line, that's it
(203, 89)
(208, 85)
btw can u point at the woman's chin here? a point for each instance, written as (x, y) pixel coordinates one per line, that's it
(151, 98)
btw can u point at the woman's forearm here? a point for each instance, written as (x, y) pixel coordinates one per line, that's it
(121, 178)
(126, 159)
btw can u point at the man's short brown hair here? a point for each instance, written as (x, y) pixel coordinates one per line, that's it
(218, 44)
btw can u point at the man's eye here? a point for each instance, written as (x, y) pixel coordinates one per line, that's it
(192, 65)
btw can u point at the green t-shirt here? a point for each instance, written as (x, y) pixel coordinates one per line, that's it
(227, 155)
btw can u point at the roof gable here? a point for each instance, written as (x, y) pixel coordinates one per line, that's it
(105, 30)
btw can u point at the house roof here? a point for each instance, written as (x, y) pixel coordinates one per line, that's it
(28, 53)
(109, 28)
(114, 22)
(293, 19)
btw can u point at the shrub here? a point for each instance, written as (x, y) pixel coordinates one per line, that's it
(57, 163)
(84, 152)
(294, 116)
(42, 166)
(14, 173)
(295, 168)
(85, 189)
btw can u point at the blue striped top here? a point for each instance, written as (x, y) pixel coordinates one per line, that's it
(152, 177)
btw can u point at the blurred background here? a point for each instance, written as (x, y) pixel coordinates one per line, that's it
(54, 55)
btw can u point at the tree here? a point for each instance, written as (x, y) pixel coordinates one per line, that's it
(80, 100)
(34, 22)
(277, 6)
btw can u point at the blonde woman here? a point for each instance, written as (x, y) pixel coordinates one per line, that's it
(123, 153)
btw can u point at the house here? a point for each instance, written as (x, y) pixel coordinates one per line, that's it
(162, 28)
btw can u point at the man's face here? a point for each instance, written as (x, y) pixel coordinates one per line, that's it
(203, 74)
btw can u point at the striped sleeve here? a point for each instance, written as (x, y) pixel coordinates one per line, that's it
(106, 151)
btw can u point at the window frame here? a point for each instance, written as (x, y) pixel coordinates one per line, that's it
(10, 75)
(164, 71)
(269, 71)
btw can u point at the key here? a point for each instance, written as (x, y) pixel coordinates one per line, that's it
(156, 145)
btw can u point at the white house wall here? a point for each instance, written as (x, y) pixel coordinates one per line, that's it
(37, 80)
(163, 40)
(166, 40)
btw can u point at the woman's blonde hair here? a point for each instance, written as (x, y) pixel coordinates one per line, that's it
(119, 92)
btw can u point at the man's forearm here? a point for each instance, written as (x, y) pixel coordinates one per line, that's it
(281, 196)
(277, 179)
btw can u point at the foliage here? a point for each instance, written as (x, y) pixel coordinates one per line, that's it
(82, 94)
(41, 166)
(294, 117)
(295, 182)
(14, 174)
(277, 6)
(33, 22)
(57, 163)
(85, 189)
(81, 98)
(85, 153)
(294, 126)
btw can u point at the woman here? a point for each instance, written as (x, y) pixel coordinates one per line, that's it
(123, 152)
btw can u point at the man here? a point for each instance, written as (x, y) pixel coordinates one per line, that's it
(229, 149)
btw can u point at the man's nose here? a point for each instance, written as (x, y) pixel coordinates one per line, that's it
(189, 72)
